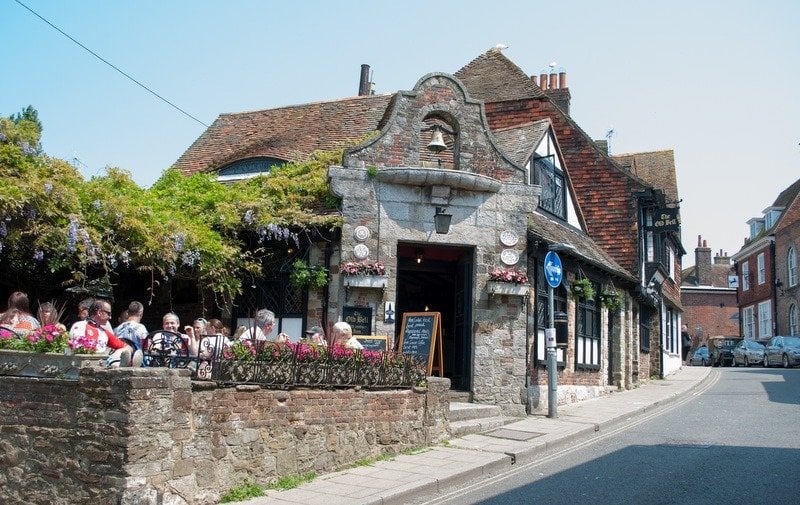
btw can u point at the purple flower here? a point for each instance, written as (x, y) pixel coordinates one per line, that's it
(248, 216)
(47, 188)
(38, 255)
(72, 235)
(3, 229)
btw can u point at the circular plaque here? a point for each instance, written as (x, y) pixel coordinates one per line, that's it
(361, 233)
(509, 238)
(509, 257)
(361, 251)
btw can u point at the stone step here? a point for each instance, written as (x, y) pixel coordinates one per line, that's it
(460, 396)
(460, 411)
(469, 426)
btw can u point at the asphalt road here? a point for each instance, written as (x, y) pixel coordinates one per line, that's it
(735, 440)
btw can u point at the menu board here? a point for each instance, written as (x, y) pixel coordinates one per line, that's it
(420, 336)
(359, 319)
(373, 342)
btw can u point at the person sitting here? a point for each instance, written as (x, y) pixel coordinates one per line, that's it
(49, 315)
(132, 331)
(342, 336)
(316, 336)
(17, 316)
(96, 329)
(262, 331)
(82, 312)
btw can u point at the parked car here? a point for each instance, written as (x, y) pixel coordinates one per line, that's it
(748, 352)
(782, 351)
(700, 357)
(721, 350)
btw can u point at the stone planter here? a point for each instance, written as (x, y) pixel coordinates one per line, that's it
(366, 281)
(507, 288)
(39, 364)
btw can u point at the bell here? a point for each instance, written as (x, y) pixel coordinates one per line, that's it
(437, 144)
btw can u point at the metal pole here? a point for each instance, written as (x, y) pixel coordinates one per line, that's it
(552, 372)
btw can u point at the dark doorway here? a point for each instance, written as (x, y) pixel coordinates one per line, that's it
(439, 279)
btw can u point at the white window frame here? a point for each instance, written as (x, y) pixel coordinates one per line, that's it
(671, 262)
(746, 276)
(793, 320)
(764, 319)
(748, 323)
(791, 267)
(762, 268)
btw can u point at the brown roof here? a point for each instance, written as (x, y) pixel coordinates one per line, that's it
(719, 276)
(586, 249)
(519, 142)
(286, 133)
(656, 168)
(787, 195)
(492, 77)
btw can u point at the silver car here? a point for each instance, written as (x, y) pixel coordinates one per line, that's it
(748, 352)
(782, 351)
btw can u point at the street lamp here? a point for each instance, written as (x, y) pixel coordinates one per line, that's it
(441, 221)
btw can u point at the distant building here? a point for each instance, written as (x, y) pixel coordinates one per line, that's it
(708, 296)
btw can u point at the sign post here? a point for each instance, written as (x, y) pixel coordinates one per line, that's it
(553, 271)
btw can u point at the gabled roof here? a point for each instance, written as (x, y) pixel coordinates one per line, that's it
(787, 195)
(657, 168)
(286, 133)
(519, 142)
(492, 77)
(552, 231)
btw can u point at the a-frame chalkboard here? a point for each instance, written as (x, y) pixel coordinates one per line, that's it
(421, 335)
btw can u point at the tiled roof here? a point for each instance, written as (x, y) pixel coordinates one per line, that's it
(519, 142)
(286, 133)
(787, 195)
(492, 77)
(657, 168)
(586, 249)
(719, 276)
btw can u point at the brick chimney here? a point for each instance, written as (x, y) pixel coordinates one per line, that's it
(557, 89)
(702, 262)
(722, 258)
(363, 83)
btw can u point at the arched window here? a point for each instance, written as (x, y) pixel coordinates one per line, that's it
(793, 320)
(791, 267)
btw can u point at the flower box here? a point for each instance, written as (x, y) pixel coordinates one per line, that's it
(45, 364)
(366, 281)
(507, 288)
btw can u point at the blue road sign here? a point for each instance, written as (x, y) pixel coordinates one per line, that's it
(552, 269)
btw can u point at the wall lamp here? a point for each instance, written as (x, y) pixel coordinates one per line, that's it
(441, 221)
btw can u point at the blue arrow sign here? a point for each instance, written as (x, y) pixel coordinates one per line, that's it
(552, 269)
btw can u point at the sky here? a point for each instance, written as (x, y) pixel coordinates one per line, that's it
(715, 81)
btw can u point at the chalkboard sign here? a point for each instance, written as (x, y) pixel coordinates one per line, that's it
(420, 335)
(373, 342)
(359, 319)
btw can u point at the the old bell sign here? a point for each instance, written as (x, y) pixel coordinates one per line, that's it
(666, 219)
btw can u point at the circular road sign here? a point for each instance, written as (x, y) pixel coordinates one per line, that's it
(552, 269)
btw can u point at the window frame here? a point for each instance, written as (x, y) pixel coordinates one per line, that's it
(793, 330)
(748, 323)
(746, 276)
(791, 266)
(588, 334)
(557, 187)
(765, 319)
(762, 268)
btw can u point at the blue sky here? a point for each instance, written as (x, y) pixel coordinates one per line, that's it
(716, 81)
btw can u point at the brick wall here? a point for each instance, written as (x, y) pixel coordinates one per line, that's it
(145, 436)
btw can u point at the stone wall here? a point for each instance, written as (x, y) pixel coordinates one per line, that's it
(146, 436)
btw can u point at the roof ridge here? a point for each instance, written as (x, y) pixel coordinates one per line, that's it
(298, 105)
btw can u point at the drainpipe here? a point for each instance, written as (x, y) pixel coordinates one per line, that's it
(326, 289)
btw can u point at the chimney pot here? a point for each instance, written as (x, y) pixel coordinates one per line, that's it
(543, 81)
(363, 83)
(562, 79)
(699, 240)
(553, 84)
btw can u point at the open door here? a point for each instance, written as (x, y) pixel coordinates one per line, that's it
(440, 279)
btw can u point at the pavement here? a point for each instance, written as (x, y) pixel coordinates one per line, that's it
(462, 461)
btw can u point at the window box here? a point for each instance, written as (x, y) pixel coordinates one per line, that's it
(507, 288)
(45, 364)
(366, 281)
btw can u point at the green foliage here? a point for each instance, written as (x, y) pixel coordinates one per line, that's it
(372, 171)
(612, 299)
(583, 289)
(292, 481)
(302, 275)
(58, 229)
(243, 491)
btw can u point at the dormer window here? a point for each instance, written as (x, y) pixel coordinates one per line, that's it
(250, 167)
(756, 227)
(771, 216)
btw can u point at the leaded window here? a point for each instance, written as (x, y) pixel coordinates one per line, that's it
(551, 179)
